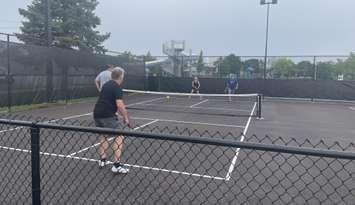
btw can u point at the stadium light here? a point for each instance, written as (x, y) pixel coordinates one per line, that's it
(268, 3)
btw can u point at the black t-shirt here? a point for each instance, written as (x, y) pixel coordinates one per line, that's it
(196, 84)
(106, 104)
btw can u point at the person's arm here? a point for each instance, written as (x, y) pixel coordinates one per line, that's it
(122, 110)
(199, 85)
(193, 84)
(98, 83)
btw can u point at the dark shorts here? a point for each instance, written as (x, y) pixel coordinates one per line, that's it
(111, 122)
(195, 90)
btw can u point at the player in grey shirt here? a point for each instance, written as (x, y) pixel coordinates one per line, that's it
(103, 77)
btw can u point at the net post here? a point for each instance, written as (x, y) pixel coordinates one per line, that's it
(259, 106)
(35, 164)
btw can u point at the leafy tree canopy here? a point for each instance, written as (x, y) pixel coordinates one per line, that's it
(73, 22)
(200, 65)
(326, 70)
(305, 69)
(230, 64)
(283, 68)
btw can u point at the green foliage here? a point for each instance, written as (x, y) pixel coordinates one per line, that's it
(230, 64)
(200, 65)
(74, 25)
(346, 67)
(283, 68)
(305, 69)
(326, 70)
(253, 63)
(127, 56)
(149, 57)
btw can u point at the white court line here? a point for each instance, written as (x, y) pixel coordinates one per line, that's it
(12, 129)
(66, 118)
(128, 165)
(82, 115)
(234, 160)
(146, 101)
(95, 145)
(73, 117)
(188, 122)
(199, 103)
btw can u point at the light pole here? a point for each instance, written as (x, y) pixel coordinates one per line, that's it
(268, 3)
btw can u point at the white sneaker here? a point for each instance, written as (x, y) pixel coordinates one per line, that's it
(119, 169)
(102, 163)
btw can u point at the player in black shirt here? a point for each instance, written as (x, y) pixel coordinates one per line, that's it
(196, 86)
(109, 103)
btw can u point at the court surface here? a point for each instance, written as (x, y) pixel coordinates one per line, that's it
(161, 171)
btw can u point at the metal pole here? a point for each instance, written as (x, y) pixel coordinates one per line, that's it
(314, 78)
(315, 68)
(9, 77)
(266, 38)
(35, 165)
(49, 23)
(182, 66)
(145, 74)
(49, 42)
(259, 106)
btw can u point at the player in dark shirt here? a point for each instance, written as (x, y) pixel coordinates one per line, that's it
(196, 86)
(109, 103)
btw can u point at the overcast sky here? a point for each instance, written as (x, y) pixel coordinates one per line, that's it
(219, 27)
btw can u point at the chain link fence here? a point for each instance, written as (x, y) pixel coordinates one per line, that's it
(31, 74)
(56, 162)
(309, 67)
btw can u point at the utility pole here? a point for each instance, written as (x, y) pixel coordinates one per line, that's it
(268, 3)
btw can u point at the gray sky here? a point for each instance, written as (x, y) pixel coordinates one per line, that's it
(219, 27)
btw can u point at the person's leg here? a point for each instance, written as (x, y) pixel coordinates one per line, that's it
(192, 91)
(103, 144)
(117, 148)
(230, 91)
(198, 92)
(103, 147)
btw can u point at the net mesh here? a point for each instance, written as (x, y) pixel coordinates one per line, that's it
(194, 104)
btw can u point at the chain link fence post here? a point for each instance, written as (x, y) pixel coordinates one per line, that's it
(314, 87)
(35, 165)
(9, 77)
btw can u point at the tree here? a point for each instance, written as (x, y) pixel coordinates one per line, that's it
(127, 56)
(326, 70)
(346, 67)
(305, 69)
(200, 66)
(283, 68)
(252, 66)
(73, 25)
(149, 57)
(230, 64)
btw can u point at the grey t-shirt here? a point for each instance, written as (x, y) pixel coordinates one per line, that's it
(103, 77)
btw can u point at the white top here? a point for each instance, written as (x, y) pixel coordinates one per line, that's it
(103, 77)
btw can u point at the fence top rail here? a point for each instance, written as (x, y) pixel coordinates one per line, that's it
(189, 139)
(16, 122)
